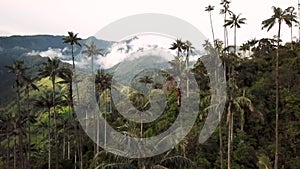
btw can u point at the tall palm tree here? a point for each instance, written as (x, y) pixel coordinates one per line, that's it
(293, 16)
(72, 39)
(235, 22)
(236, 104)
(102, 86)
(28, 84)
(225, 11)
(177, 45)
(245, 47)
(188, 47)
(51, 69)
(91, 51)
(210, 8)
(18, 69)
(279, 16)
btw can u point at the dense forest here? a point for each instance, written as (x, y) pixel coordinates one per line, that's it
(258, 128)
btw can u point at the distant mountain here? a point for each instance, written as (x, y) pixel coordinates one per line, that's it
(34, 50)
(36, 42)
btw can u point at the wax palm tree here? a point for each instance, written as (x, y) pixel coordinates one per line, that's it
(102, 81)
(188, 47)
(235, 22)
(245, 47)
(293, 16)
(102, 86)
(177, 45)
(18, 69)
(235, 105)
(28, 83)
(251, 43)
(51, 69)
(91, 51)
(72, 39)
(210, 8)
(225, 11)
(279, 16)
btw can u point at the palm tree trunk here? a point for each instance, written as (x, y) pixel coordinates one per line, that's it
(92, 65)
(212, 29)
(49, 139)
(292, 36)
(55, 123)
(64, 143)
(229, 147)
(218, 75)
(277, 98)
(220, 140)
(73, 56)
(15, 151)
(69, 149)
(187, 77)
(225, 31)
(20, 134)
(80, 151)
(229, 135)
(231, 127)
(235, 47)
(7, 148)
(71, 108)
(29, 134)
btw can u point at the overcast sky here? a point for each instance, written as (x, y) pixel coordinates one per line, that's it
(86, 17)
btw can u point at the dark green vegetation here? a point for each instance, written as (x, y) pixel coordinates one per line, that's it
(260, 126)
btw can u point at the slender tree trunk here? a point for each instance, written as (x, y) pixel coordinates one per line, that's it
(73, 56)
(98, 135)
(49, 139)
(55, 124)
(29, 132)
(69, 150)
(218, 75)
(20, 134)
(229, 142)
(15, 151)
(92, 65)
(229, 147)
(220, 140)
(75, 160)
(277, 98)
(187, 77)
(225, 31)
(71, 110)
(212, 29)
(81, 153)
(64, 143)
(292, 36)
(231, 127)
(235, 47)
(7, 148)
